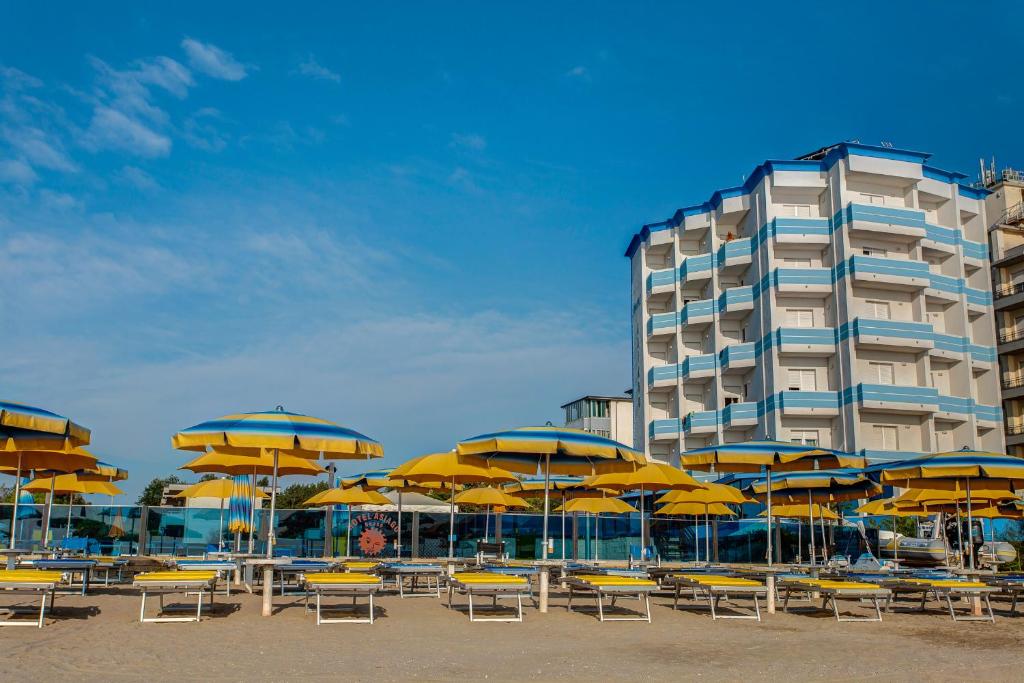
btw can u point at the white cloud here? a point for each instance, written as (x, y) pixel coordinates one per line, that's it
(113, 129)
(17, 172)
(213, 61)
(471, 141)
(39, 148)
(16, 79)
(200, 130)
(579, 72)
(314, 69)
(137, 178)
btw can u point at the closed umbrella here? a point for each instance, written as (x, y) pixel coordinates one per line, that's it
(769, 456)
(240, 508)
(347, 497)
(454, 469)
(552, 450)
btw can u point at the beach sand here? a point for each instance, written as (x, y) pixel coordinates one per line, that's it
(98, 637)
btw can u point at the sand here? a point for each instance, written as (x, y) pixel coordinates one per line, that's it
(98, 637)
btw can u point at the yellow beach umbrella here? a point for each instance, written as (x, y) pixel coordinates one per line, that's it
(984, 491)
(212, 488)
(597, 507)
(886, 507)
(263, 464)
(347, 497)
(695, 509)
(454, 469)
(68, 484)
(709, 495)
(801, 512)
(488, 497)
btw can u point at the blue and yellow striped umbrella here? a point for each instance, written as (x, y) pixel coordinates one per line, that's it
(31, 419)
(952, 468)
(821, 486)
(780, 456)
(240, 505)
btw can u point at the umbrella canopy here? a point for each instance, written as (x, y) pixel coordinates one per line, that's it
(103, 472)
(984, 492)
(288, 433)
(379, 479)
(116, 528)
(886, 507)
(29, 418)
(598, 506)
(838, 483)
(226, 463)
(650, 477)
(801, 512)
(709, 493)
(751, 456)
(449, 467)
(213, 488)
(240, 505)
(48, 460)
(695, 509)
(67, 484)
(535, 485)
(349, 496)
(953, 468)
(569, 451)
(487, 495)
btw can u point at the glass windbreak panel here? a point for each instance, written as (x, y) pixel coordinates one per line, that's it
(114, 528)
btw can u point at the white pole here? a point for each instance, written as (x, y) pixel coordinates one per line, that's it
(597, 528)
(707, 536)
(824, 539)
(643, 545)
(17, 494)
(220, 528)
(696, 540)
(547, 502)
(451, 522)
(487, 521)
(252, 511)
(271, 535)
(398, 544)
(67, 533)
(49, 510)
(768, 514)
(970, 525)
(563, 525)
(348, 532)
(810, 522)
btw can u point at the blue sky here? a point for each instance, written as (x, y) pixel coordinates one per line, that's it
(410, 218)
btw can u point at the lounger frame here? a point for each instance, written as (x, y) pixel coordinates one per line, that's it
(613, 591)
(353, 590)
(833, 595)
(495, 590)
(947, 593)
(162, 588)
(399, 573)
(45, 589)
(714, 593)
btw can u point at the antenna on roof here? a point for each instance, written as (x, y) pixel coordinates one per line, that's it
(886, 144)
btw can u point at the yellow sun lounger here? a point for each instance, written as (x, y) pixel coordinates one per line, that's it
(833, 591)
(351, 583)
(360, 565)
(37, 581)
(714, 587)
(613, 587)
(162, 583)
(946, 589)
(489, 583)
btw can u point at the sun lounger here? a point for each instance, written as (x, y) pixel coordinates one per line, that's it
(224, 569)
(351, 584)
(613, 587)
(108, 565)
(834, 591)
(295, 569)
(431, 574)
(1009, 585)
(489, 583)
(70, 566)
(42, 583)
(714, 587)
(162, 583)
(360, 565)
(947, 589)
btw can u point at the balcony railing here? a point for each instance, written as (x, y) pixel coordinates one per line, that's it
(1014, 428)
(1013, 381)
(1010, 335)
(1008, 289)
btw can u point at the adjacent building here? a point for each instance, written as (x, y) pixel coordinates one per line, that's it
(608, 416)
(843, 298)
(1005, 209)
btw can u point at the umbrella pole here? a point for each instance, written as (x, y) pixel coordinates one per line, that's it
(271, 535)
(348, 530)
(49, 511)
(810, 522)
(17, 494)
(799, 543)
(451, 522)
(959, 535)
(67, 533)
(642, 544)
(895, 542)
(547, 501)
(768, 514)
(487, 521)
(220, 529)
(707, 536)
(252, 511)
(970, 525)
(597, 535)
(563, 525)
(398, 543)
(824, 539)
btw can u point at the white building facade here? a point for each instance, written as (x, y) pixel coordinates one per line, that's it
(608, 416)
(841, 299)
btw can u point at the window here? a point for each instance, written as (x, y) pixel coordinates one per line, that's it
(881, 373)
(888, 437)
(799, 317)
(878, 309)
(873, 198)
(802, 379)
(807, 437)
(729, 400)
(873, 251)
(798, 210)
(797, 261)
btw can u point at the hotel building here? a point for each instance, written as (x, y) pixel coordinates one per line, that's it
(608, 416)
(843, 298)
(1005, 208)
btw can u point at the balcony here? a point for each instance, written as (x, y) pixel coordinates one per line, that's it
(948, 346)
(696, 368)
(812, 341)
(701, 422)
(697, 313)
(870, 333)
(873, 220)
(663, 376)
(940, 239)
(943, 288)
(739, 415)
(890, 273)
(695, 269)
(737, 357)
(661, 281)
(787, 230)
(1014, 432)
(979, 302)
(1012, 380)
(975, 254)
(736, 253)
(987, 417)
(893, 398)
(662, 324)
(665, 430)
(953, 408)
(813, 281)
(809, 403)
(736, 301)
(1011, 335)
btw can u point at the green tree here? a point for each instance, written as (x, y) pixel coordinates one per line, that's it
(208, 476)
(295, 495)
(154, 490)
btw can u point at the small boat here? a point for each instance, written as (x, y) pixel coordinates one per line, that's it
(997, 552)
(913, 550)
